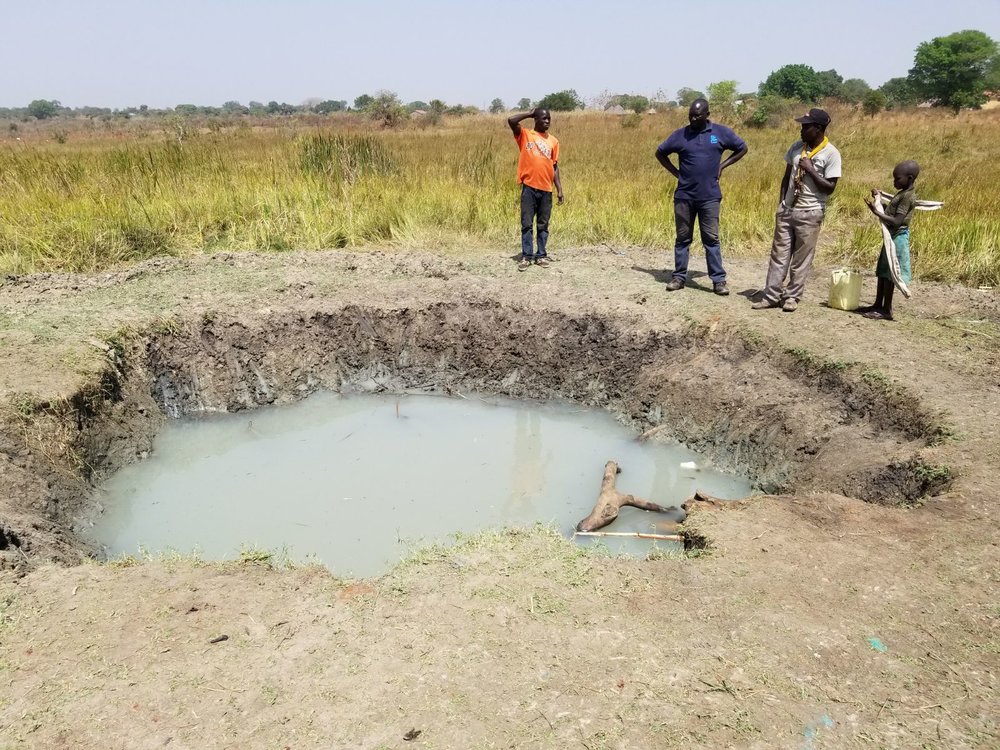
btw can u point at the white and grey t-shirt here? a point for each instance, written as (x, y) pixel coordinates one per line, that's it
(809, 197)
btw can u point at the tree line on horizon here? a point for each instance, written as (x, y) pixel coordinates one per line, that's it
(957, 71)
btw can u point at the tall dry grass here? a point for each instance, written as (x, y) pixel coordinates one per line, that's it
(95, 200)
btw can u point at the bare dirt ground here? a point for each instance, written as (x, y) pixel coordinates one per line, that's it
(855, 606)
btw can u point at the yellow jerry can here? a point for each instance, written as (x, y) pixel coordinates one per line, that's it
(845, 289)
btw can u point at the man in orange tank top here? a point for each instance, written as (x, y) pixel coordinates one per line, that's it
(537, 172)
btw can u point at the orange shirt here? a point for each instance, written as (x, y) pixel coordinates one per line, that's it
(539, 154)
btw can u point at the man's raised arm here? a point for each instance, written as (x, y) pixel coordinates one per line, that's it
(515, 121)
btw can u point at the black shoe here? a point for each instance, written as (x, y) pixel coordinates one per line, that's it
(674, 284)
(721, 289)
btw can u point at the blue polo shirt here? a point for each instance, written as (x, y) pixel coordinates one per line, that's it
(700, 155)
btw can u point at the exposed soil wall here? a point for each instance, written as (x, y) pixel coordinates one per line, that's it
(786, 422)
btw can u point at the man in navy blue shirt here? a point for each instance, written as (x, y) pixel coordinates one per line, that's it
(699, 147)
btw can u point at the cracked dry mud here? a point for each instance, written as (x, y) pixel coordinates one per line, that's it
(853, 604)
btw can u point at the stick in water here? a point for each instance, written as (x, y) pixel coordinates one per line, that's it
(633, 535)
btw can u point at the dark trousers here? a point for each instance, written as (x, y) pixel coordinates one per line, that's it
(536, 207)
(707, 213)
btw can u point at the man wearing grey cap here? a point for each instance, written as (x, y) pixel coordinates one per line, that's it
(813, 168)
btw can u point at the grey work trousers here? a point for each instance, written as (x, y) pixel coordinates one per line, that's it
(792, 253)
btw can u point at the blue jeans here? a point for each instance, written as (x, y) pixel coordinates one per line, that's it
(536, 207)
(707, 213)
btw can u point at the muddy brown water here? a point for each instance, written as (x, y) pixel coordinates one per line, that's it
(357, 481)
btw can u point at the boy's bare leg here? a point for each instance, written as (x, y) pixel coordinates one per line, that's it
(887, 299)
(882, 309)
(879, 296)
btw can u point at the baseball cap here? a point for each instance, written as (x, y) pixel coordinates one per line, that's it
(814, 115)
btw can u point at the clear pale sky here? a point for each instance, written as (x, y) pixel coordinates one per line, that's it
(118, 53)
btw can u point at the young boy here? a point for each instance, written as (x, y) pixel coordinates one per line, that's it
(896, 218)
(537, 171)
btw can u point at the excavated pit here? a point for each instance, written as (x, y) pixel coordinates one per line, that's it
(791, 424)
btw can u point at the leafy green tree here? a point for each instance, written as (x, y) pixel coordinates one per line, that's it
(93, 112)
(767, 111)
(633, 102)
(524, 103)
(561, 101)
(899, 93)
(363, 102)
(415, 105)
(722, 97)
(330, 105)
(993, 77)
(43, 109)
(686, 96)
(829, 83)
(873, 103)
(435, 111)
(387, 110)
(235, 108)
(854, 90)
(497, 106)
(793, 82)
(953, 71)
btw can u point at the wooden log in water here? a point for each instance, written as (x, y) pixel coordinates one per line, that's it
(610, 501)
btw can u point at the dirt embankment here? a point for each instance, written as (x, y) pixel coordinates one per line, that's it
(788, 422)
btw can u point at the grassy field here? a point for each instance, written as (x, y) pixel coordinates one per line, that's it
(84, 199)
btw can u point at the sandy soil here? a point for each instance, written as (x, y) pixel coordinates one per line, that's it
(855, 605)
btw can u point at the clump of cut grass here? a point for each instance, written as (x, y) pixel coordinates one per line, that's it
(877, 379)
(123, 561)
(944, 433)
(254, 555)
(934, 474)
(804, 356)
(672, 552)
(753, 339)
(25, 405)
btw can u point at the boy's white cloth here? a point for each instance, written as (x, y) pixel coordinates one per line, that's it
(890, 247)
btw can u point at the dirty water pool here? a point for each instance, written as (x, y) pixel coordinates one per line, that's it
(355, 482)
